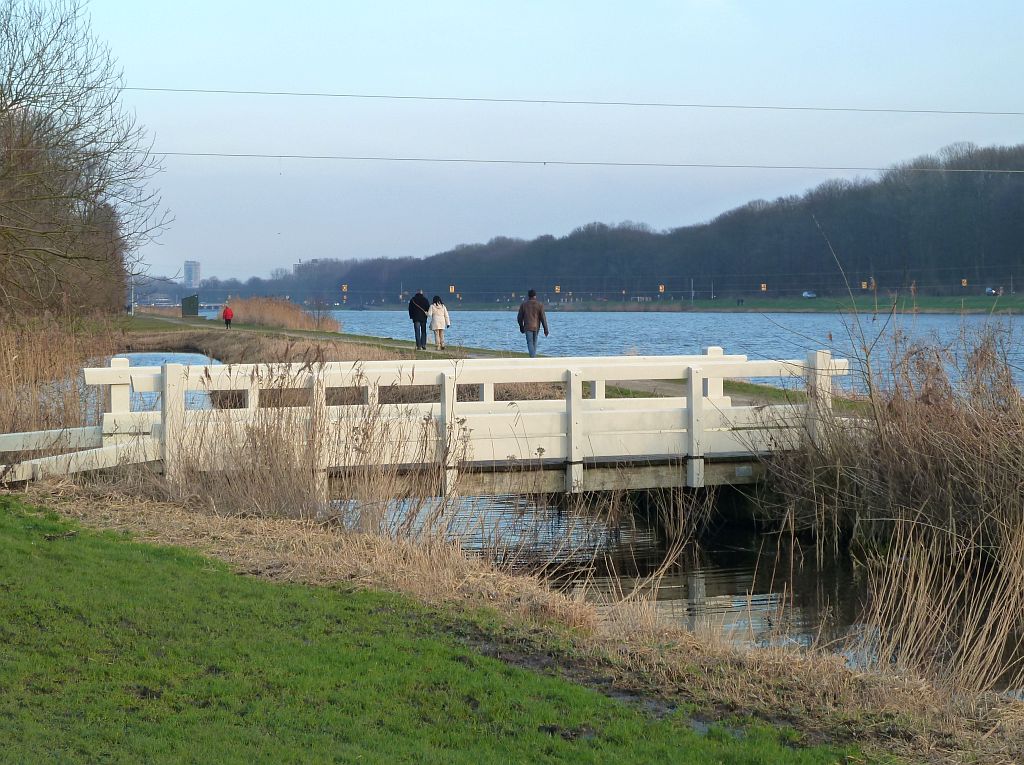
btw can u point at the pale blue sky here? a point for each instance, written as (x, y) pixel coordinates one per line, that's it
(244, 217)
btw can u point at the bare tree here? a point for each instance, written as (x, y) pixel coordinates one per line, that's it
(75, 199)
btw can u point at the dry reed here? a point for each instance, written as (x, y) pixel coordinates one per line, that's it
(283, 314)
(928, 487)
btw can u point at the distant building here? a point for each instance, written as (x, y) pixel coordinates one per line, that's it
(192, 277)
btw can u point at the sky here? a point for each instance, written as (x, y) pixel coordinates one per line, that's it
(243, 217)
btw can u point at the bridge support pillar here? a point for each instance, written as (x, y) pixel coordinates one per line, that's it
(120, 403)
(172, 419)
(695, 426)
(448, 433)
(319, 443)
(574, 431)
(819, 394)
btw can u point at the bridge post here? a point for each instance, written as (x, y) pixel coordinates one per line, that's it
(695, 426)
(172, 419)
(819, 394)
(119, 402)
(714, 387)
(318, 440)
(448, 432)
(597, 389)
(574, 431)
(487, 391)
(252, 397)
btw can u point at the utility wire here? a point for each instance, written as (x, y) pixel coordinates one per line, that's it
(579, 163)
(579, 102)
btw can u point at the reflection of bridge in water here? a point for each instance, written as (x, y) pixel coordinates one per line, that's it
(559, 429)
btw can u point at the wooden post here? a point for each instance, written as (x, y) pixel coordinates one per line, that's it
(819, 394)
(448, 432)
(252, 399)
(172, 419)
(119, 401)
(714, 387)
(318, 440)
(371, 394)
(695, 426)
(574, 431)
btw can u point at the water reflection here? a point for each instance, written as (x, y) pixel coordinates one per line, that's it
(744, 587)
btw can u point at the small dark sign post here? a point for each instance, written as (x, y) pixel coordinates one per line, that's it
(190, 306)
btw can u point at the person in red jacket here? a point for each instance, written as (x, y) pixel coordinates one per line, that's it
(228, 315)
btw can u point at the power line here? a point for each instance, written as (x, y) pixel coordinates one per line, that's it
(578, 163)
(580, 102)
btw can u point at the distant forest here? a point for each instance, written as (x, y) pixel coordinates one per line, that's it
(926, 224)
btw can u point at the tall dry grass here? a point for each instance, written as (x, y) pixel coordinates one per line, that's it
(169, 311)
(273, 312)
(927, 487)
(40, 363)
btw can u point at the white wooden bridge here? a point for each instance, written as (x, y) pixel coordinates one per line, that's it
(577, 439)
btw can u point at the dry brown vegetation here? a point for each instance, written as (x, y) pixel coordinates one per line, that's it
(284, 314)
(39, 360)
(169, 311)
(928, 487)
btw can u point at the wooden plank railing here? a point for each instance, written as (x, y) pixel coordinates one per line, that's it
(572, 430)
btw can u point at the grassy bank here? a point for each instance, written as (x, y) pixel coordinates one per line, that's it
(115, 650)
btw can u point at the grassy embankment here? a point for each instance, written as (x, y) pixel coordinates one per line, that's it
(119, 651)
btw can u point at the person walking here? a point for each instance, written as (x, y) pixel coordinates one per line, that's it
(439, 321)
(419, 306)
(227, 315)
(531, 318)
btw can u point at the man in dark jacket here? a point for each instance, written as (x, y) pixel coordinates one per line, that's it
(531, 319)
(418, 307)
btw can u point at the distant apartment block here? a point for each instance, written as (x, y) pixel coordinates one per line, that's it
(192, 277)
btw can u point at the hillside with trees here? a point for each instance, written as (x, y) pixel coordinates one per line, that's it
(923, 225)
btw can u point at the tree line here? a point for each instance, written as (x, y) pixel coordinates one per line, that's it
(928, 224)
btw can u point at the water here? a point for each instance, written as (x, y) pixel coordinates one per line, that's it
(150, 401)
(759, 336)
(748, 588)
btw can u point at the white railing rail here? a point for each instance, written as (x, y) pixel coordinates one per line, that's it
(573, 429)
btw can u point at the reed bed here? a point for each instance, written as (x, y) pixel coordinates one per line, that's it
(926, 487)
(283, 314)
(168, 311)
(40, 361)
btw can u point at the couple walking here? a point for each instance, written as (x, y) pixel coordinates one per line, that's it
(421, 311)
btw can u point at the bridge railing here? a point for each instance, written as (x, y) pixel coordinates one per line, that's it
(575, 425)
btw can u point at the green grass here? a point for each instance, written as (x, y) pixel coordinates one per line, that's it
(114, 651)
